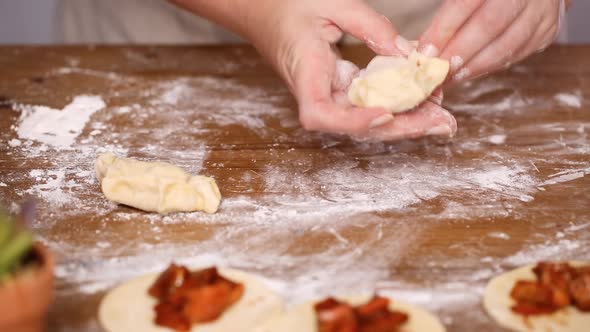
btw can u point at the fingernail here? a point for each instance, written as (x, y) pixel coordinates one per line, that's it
(442, 130)
(381, 120)
(404, 45)
(456, 63)
(430, 50)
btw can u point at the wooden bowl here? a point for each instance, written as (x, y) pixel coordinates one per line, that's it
(25, 300)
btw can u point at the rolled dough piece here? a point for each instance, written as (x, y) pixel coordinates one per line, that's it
(155, 186)
(398, 84)
(497, 302)
(128, 307)
(303, 318)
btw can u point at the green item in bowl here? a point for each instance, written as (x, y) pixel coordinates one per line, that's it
(15, 243)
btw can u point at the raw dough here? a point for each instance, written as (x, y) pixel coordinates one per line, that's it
(155, 186)
(497, 303)
(303, 318)
(398, 84)
(129, 307)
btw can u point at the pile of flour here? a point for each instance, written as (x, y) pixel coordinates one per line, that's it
(57, 128)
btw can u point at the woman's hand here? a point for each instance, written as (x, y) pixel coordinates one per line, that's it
(298, 38)
(482, 36)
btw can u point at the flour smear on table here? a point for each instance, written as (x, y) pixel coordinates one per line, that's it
(299, 197)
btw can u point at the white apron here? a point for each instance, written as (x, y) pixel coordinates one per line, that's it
(158, 22)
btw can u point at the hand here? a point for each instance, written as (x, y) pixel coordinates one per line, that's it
(302, 51)
(483, 36)
(298, 38)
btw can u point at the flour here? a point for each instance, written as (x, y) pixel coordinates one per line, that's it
(511, 102)
(14, 143)
(499, 235)
(505, 180)
(173, 95)
(52, 187)
(36, 173)
(566, 176)
(58, 128)
(562, 247)
(301, 279)
(497, 139)
(456, 62)
(569, 99)
(235, 104)
(346, 71)
(88, 72)
(550, 250)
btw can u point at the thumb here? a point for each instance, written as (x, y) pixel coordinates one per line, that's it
(375, 30)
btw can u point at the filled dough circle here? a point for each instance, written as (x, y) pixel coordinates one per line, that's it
(155, 186)
(128, 307)
(497, 302)
(303, 318)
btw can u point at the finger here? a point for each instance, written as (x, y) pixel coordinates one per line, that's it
(427, 120)
(317, 108)
(541, 39)
(502, 52)
(448, 20)
(544, 35)
(374, 29)
(489, 22)
(334, 118)
(314, 72)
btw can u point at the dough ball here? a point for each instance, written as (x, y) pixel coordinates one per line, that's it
(398, 84)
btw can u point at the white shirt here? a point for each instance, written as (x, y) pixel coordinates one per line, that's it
(159, 22)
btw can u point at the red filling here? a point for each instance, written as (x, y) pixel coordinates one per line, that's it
(186, 298)
(374, 316)
(558, 285)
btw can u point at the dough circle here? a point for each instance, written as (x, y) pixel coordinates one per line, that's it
(129, 308)
(497, 302)
(303, 318)
(398, 84)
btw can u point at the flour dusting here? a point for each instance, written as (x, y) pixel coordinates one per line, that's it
(52, 187)
(569, 99)
(566, 176)
(497, 139)
(369, 208)
(14, 143)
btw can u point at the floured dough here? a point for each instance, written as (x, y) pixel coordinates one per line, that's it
(155, 186)
(129, 307)
(497, 302)
(303, 318)
(398, 84)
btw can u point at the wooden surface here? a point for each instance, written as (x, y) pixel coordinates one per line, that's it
(429, 221)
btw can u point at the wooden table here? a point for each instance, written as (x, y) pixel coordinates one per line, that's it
(427, 221)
